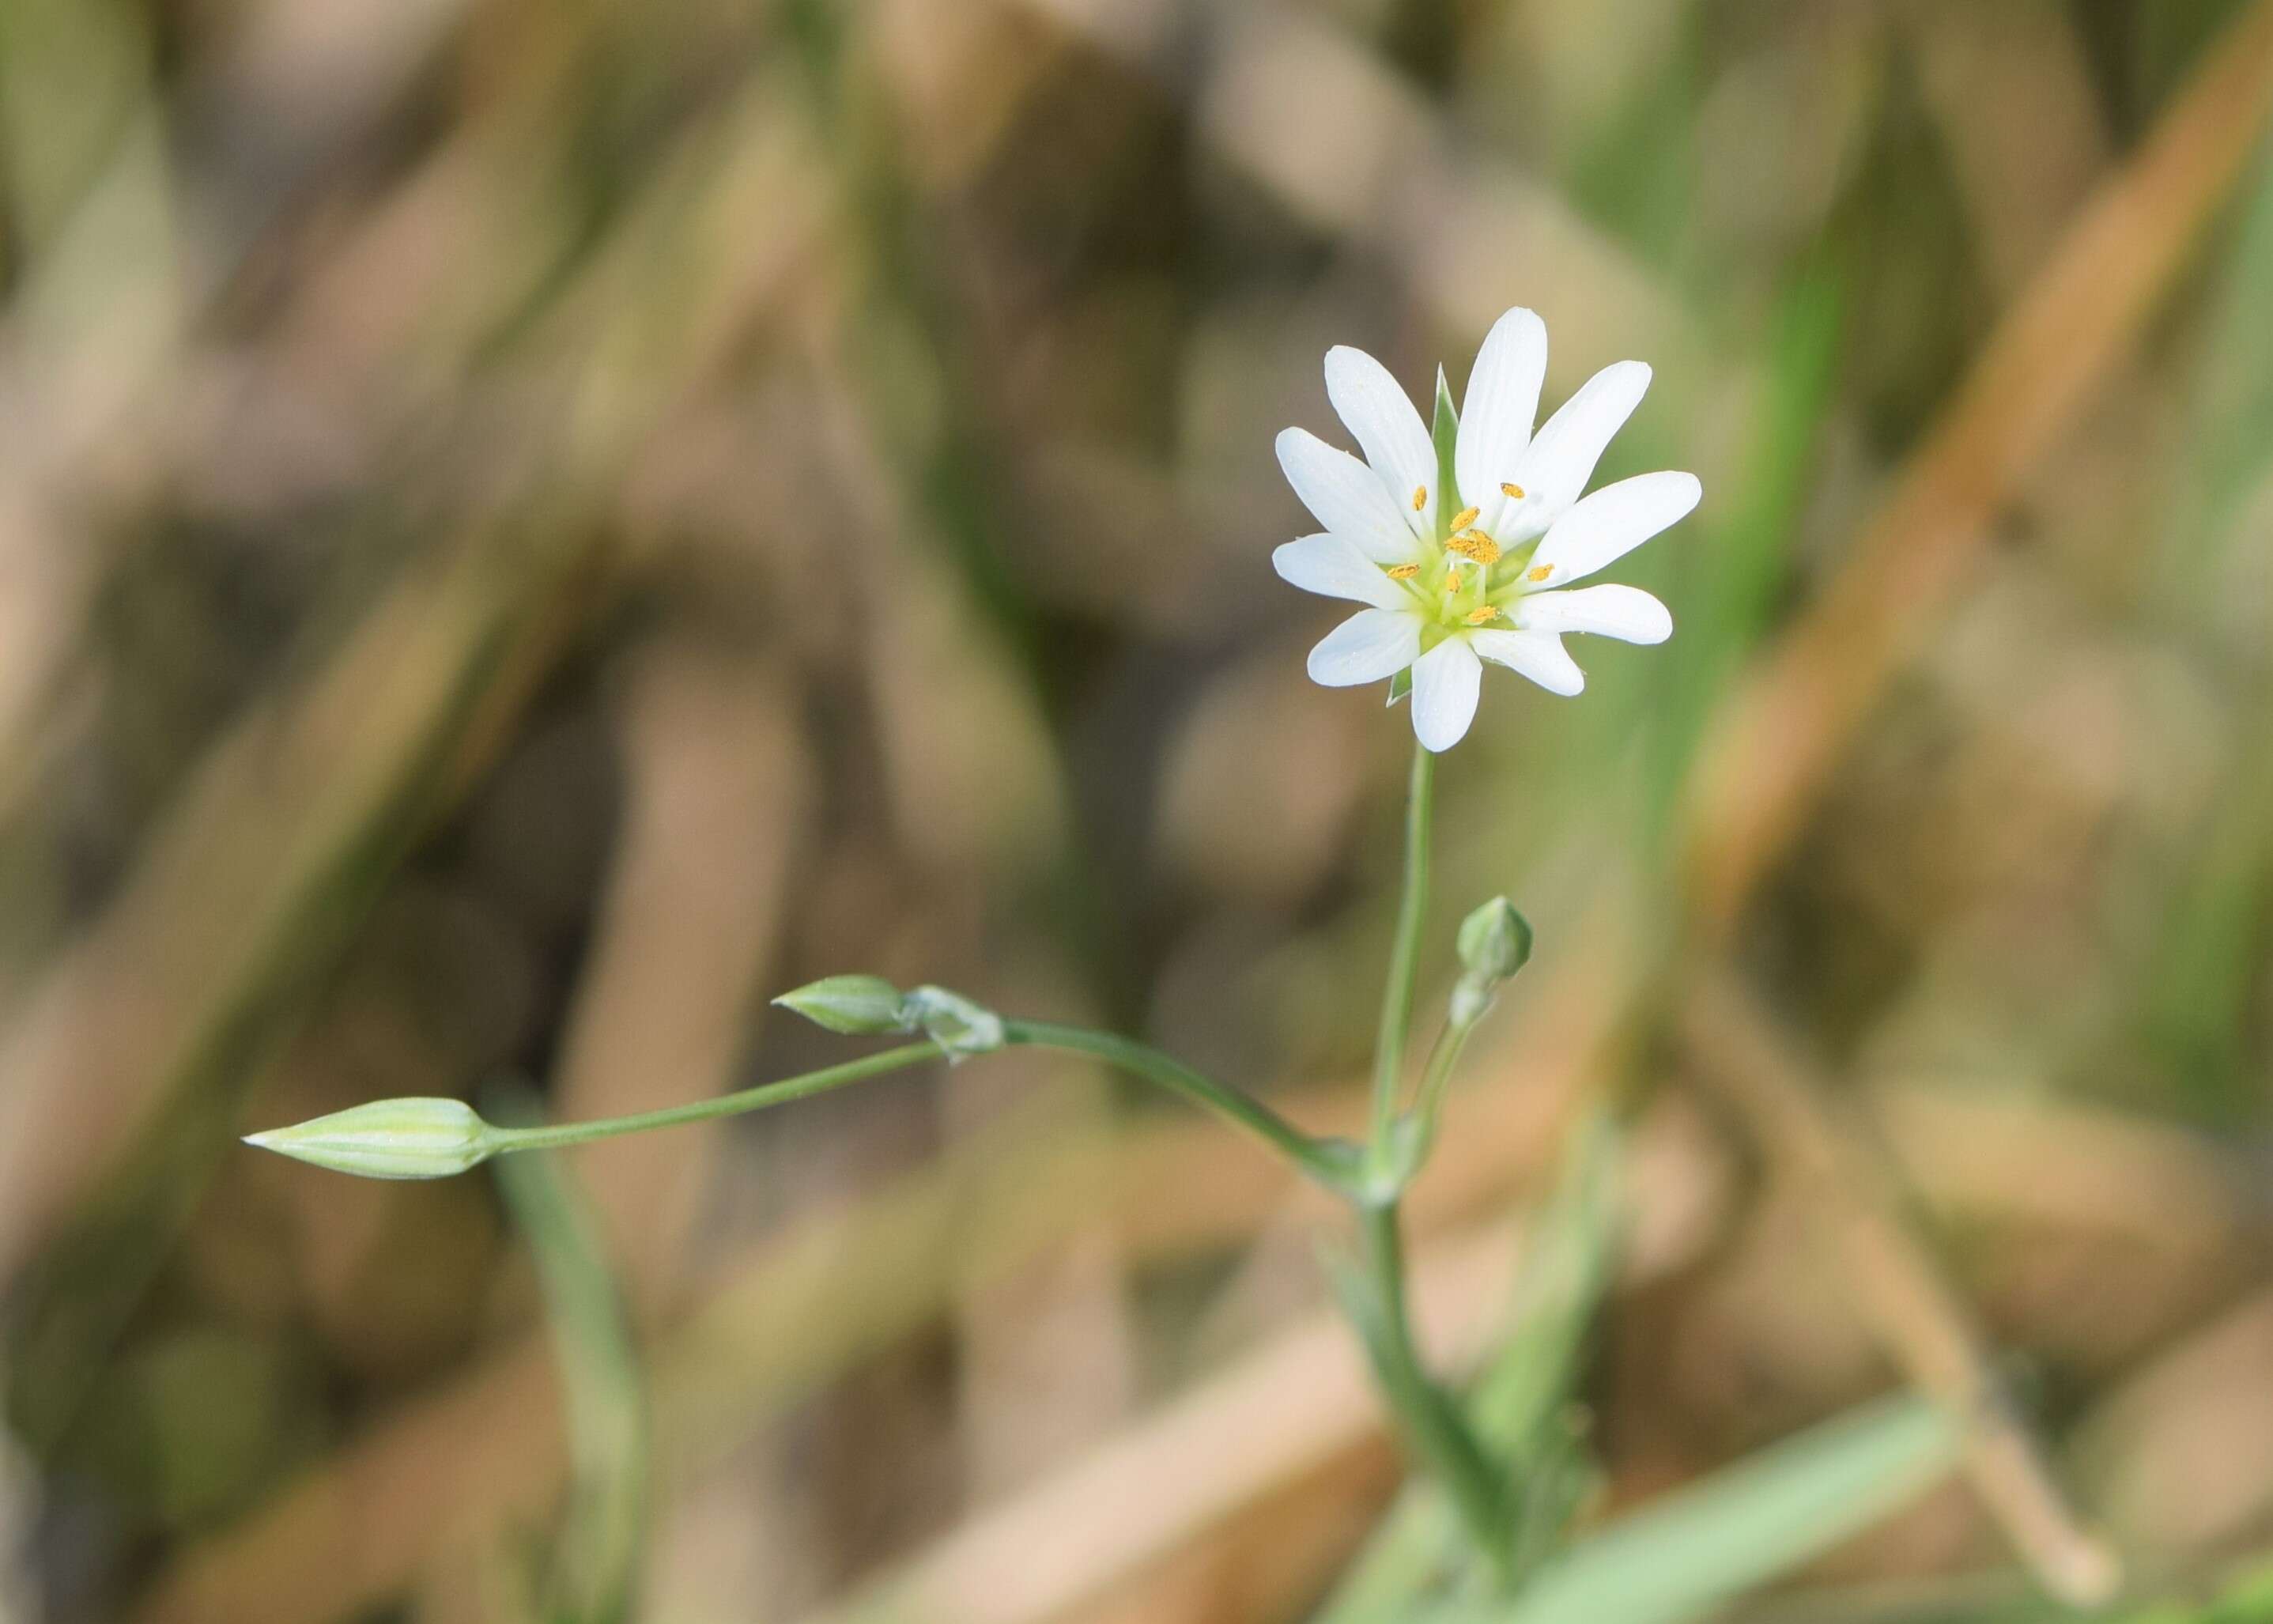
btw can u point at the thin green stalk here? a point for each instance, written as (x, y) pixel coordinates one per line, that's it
(552, 1135)
(1404, 953)
(1434, 1427)
(1329, 1161)
(1435, 1080)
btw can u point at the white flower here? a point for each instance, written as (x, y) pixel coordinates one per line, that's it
(1451, 575)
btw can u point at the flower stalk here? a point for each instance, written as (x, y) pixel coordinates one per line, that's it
(1403, 955)
(1435, 1428)
(554, 1136)
(1334, 1163)
(434, 1138)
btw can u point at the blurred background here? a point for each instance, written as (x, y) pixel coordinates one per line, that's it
(527, 528)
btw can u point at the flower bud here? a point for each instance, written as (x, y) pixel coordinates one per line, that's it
(954, 1022)
(1494, 940)
(856, 1005)
(388, 1138)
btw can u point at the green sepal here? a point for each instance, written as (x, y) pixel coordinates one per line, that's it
(416, 1137)
(1401, 685)
(1446, 434)
(856, 1005)
(1494, 940)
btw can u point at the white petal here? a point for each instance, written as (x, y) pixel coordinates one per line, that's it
(1333, 567)
(1536, 655)
(1347, 498)
(1366, 648)
(1612, 522)
(1389, 432)
(1562, 454)
(1622, 611)
(1498, 409)
(1445, 681)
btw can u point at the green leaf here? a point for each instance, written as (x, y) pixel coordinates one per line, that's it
(1683, 1557)
(1735, 572)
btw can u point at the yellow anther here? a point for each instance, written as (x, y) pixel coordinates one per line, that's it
(1478, 617)
(1419, 496)
(1474, 545)
(1404, 572)
(1540, 573)
(1464, 518)
(1514, 492)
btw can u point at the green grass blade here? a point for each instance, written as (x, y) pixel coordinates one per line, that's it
(596, 1551)
(1724, 582)
(1566, 1273)
(1681, 1558)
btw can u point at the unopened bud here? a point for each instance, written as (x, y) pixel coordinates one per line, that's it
(954, 1022)
(388, 1138)
(1494, 940)
(856, 1005)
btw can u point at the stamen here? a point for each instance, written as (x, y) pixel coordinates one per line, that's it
(1419, 496)
(1479, 617)
(1475, 546)
(1404, 572)
(1540, 573)
(1464, 518)
(1514, 492)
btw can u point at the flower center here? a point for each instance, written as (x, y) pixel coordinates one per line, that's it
(1469, 578)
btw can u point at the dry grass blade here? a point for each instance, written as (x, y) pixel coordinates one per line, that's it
(661, 1013)
(1771, 752)
(1894, 1281)
(255, 867)
(1777, 744)
(1273, 1417)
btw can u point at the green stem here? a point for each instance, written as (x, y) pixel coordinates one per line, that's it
(552, 1136)
(1330, 1163)
(1404, 953)
(1435, 1078)
(1435, 1429)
